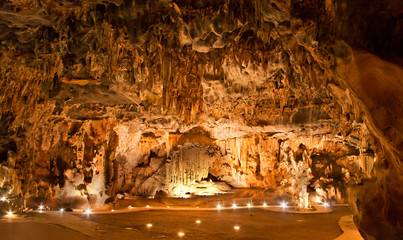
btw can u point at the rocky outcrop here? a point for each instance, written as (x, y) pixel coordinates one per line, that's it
(112, 97)
(373, 89)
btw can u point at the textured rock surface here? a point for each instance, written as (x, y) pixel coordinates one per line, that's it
(100, 98)
(379, 85)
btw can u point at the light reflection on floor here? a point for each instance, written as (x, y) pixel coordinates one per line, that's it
(226, 224)
(241, 220)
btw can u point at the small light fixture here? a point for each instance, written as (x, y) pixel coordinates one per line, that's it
(284, 205)
(326, 204)
(148, 206)
(218, 206)
(10, 214)
(198, 221)
(130, 207)
(236, 227)
(61, 209)
(168, 206)
(249, 205)
(113, 210)
(181, 234)
(41, 207)
(88, 211)
(264, 205)
(234, 205)
(3, 199)
(149, 225)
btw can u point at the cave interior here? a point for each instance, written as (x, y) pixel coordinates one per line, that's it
(296, 100)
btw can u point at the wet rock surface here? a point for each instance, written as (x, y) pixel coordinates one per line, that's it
(114, 98)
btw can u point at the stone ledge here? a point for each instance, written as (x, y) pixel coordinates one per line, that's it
(350, 231)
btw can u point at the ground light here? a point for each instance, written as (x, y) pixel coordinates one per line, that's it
(88, 211)
(3, 199)
(249, 205)
(149, 225)
(198, 221)
(41, 207)
(181, 234)
(234, 205)
(10, 214)
(148, 206)
(61, 209)
(113, 210)
(326, 204)
(236, 227)
(264, 205)
(283, 205)
(218, 206)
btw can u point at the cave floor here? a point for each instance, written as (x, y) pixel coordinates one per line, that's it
(255, 223)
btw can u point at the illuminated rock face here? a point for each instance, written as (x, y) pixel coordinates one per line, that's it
(369, 77)
(140, 96)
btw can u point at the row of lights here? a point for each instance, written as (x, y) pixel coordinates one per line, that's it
(249, 205)
(41, 208)
(89, 211)
(282, 204)
(218, 206)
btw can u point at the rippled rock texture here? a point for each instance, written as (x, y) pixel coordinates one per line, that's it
(105, 98)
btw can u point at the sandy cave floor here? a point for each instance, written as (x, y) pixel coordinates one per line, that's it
(254, 223)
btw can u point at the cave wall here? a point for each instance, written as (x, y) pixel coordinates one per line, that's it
(370, 84)
(100, 98)
(377, 82)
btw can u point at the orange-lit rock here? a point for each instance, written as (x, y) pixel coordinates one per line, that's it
(373, 90)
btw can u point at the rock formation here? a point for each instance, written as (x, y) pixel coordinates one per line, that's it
(100, 98)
